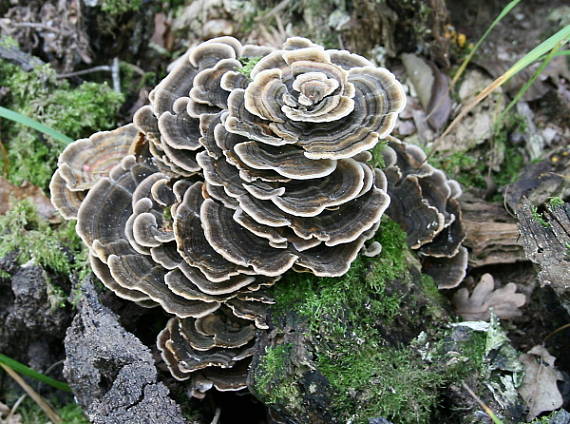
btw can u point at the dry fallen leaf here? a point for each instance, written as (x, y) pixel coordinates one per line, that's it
(10, 193)
(504, 301)
(6, 417)
(539, 389)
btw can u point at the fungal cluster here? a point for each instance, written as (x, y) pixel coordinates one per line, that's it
(226, 181)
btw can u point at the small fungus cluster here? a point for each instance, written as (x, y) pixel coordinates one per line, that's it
(225, 181)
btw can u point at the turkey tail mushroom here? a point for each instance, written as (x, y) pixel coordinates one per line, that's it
(425, 204)
(226, 181)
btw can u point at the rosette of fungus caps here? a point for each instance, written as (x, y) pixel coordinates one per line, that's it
(224, 182)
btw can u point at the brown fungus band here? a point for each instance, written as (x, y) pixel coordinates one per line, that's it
(225, 181)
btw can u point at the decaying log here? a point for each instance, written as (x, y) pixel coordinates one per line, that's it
(492, 234)
(546, 242)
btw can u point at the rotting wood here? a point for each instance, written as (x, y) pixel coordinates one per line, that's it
(491, 233)
(546, 242)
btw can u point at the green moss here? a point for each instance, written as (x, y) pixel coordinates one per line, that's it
(368, 376)
(552, 418)
(377, 156)
(55, 249)
(75, 111)
(466, 169)
(355, 325)
(247, 65)
(273, 383)
(378, 381)
(117, 7)
(555, 202)
(471, 168)
(511, 167)
(537, 216)
(437, 300)
(359, 293)
(470, 359)
(132, 80)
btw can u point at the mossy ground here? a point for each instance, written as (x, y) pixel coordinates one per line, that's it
(117, 7)
(374, 370)
(58, 250)
(29, 156)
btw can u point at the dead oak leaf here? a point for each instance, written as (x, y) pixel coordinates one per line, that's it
(504, 301)
(539, 389)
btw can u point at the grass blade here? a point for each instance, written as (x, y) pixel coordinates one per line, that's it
(535, 54)
(482, 404)
(23, 369)
(527, 84)
(558, 39)
(29, 122)
(52, 415)
(466, 61)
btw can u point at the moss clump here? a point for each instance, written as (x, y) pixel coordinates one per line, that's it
(75, 111)
(472, 168)
(555, 202)
(347, 319)
(55, 249)
(274, 384)
(247, 65)
(70, 413)
(466, 356)
(465, 168)
(373, 380)
(361, 293)
(538, 217)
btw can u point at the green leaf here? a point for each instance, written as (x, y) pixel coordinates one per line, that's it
(27, 371)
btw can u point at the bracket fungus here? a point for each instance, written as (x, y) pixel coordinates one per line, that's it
(225, 181)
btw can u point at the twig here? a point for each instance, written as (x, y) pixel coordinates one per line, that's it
(274, 11)
(559, 329)
(36, 26)
(216, 416)
(16, 406)
(52, 415)
(100, 68)
(113, 69)
(115, 74)
(487, 410)
(52, 366)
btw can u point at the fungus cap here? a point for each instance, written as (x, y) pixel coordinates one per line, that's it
(226, 181)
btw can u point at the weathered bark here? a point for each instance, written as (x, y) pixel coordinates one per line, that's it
(546, 242)
(112, 374)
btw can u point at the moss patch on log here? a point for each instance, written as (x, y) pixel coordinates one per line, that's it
(371, 373)
(374, 343)
(58, 250)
